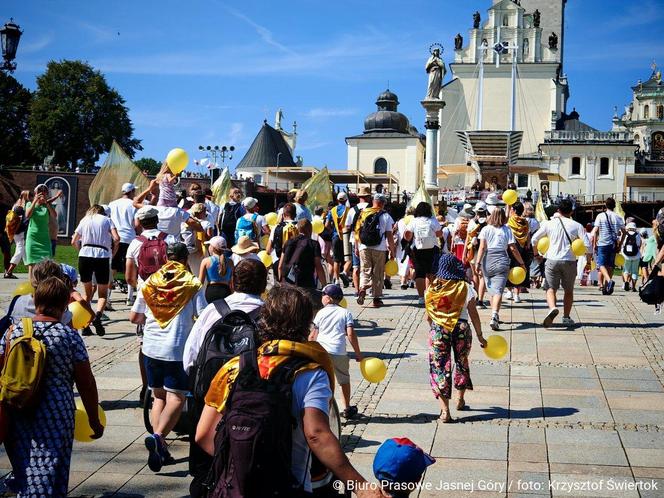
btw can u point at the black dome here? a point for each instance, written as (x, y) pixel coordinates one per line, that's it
(387, 118)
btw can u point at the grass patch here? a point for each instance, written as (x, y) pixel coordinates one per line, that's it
(63, 254)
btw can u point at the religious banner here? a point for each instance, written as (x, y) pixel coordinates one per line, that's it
(319, 190)
(221, 188)
(421, 196)
(116, 170)
(63, 189)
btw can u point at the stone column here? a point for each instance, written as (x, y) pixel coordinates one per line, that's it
(432, 125)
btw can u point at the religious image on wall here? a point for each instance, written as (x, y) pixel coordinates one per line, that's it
(62, 191)
(657, 153)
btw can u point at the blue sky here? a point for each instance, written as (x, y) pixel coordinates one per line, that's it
(208, 72)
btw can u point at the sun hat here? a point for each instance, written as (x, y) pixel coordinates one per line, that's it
(128, 187)
(467, 212)
(333, 291)
(245, 245)
(450, 268)
(493, 201)
(364, 192)
(341, 196)
(146, 213)
(399, 460)
(480, 206)
(218, 242)
(250, 202)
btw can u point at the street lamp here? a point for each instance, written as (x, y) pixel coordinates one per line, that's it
(224, 152)
(10, 34)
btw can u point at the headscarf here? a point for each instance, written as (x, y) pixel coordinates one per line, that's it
(168, 291)
(520, 228)
(445, 298)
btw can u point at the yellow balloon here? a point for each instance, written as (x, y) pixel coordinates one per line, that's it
(593, 265)
(578, 248)
(177, 160)
(510, 197)
(343, 303)
(391, 268)
(265, 258)
(543, 245)
(82, 429)
(373, 369)
(317, 226)
(408, 219)
(620, 259)
(264, 240)
(24, 289)
(271, 219)
(496, 347)
(80, 317)
(516, 275)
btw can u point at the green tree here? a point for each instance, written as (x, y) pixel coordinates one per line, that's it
(149, 165)
(14, 111)
(75, 113)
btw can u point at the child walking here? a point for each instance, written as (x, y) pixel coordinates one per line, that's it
(332, 325)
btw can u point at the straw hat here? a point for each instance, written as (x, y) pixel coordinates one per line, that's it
(245, 245)
(364, 192)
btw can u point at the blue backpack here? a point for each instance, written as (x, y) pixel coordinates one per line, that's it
(247, 227)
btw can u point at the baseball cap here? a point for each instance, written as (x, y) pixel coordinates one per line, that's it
(128, 187)
(218, 242)
(630, 226)
(341, 196)
(480, 206)
(333, 291)
(250, 202)
(146, 213)
(379, 197)
(400, 460)
(177, 250)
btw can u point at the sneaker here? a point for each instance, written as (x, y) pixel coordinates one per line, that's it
(609, 287)
(625, 286)
(109, 307)
(548, 320)
(494, 323)
(344, 280)
(99, 328)
(388, 283)
(508, 295)
(568, 322)
(420, 301)
(155, 458)
(11, 276)
(411, 284)
(404, 286)
(377, 303)
(658, 309)
(517, 298)
(360, 297)
(87, 332)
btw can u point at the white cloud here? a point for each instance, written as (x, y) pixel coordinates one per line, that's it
(322, 112)
(264, 33)
(30, 46)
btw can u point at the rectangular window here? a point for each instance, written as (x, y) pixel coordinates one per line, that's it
(576, 166)
(522, 181)
(604, 166)
(258, 179)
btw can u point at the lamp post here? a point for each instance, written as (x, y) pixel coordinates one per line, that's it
(224, 152)
(10, 34)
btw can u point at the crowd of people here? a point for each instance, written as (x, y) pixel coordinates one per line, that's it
(245, 314)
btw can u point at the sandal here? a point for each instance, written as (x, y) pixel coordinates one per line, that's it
(360, 297)
(461, 404)
(446, 418)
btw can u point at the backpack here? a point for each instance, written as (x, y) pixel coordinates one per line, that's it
(291, 270)
(423, 235)
(246, 227)
(229, 217)
(12, 224)
(151, 255)
(23, 367)
(370, 234)
(232, 334)
(282, 234)
(253, 443)
(630, 248)
(6, 321)
(652, 292)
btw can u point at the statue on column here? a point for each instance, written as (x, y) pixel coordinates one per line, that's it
(537, 17)
(553, 41)
(476, 19)
(435, 67)
(458, 42)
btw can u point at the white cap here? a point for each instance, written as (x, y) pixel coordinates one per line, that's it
(128, 187)
(341, 196)
(480, 206)
(249, 202)
(631, 226)
(146, 213)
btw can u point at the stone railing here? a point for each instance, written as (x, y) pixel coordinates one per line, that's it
(587, 136)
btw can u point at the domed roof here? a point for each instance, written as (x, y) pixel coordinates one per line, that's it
(387, 118)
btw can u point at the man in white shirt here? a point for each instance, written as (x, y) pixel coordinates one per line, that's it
(213, 210)
(122, 212)
(607, 238)
(372, 258)
(354, 214)
(560, 267)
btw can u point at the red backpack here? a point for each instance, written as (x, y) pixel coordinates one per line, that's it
(151, 255)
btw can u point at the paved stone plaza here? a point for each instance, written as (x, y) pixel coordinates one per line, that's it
(566, 413)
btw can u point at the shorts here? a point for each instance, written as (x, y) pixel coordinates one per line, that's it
(631, 267)
(356, 259)
(606, 256)
(167, 375)
(423, 261)
(341, 364)
(644, 264)
(118, 262)
(338, 250)
(99, 267)
(560, 273)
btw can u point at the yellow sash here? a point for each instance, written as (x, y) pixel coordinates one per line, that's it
(339, 222)
(520, 229)
(445, 300)
(271, 354)
(168, 291)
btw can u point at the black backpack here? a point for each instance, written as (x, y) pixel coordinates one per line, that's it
(652, 292)
(630, 248)
(291, 268)
(231, 335)
(370, 234)
(253, 442)
(6, 321)
(229, 217)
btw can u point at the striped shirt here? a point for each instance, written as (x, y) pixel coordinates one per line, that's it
(610, 224)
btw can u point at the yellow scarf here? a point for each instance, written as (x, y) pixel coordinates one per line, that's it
(339, 222)
(520, 229)
(366, 212)
(168, 291)
(444, 301)
(271, 354)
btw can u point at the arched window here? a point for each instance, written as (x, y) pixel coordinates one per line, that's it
(506, 20)
(660, 112)
(646, 111)
(576, 166)
(380, 166)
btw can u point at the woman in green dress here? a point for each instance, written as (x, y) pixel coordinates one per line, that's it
(37, 239)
